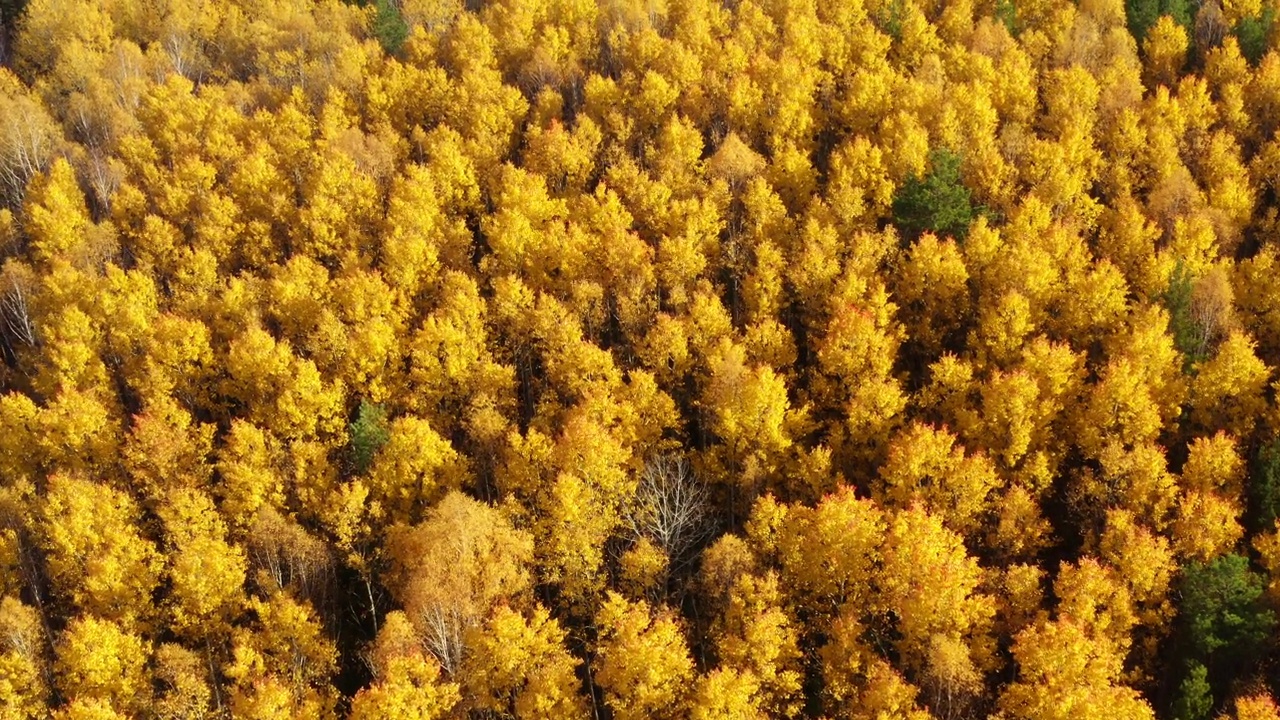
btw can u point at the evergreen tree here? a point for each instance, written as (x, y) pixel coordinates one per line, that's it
(939, 202)
(369, 433)
(1195, 698)
(1225, 623)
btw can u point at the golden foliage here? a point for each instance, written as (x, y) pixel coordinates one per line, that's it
(548, 247)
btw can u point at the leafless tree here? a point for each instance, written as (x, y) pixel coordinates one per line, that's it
(103, 176)
(27, 144)
(670, 508)
(540, 72)
(1211, 26)
(285, 555)
(1211, 317)
(5, 23)
(442, 630)
(950, 682)
(16, 285)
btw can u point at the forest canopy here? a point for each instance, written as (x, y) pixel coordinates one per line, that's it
(629, 359)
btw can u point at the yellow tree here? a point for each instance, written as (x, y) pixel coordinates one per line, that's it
(929, 582)
(866, 687)
(425, 231)
(286, 557)
(725, 694)
(451, 359)
(757, 642)
(574, 520)
(414, 469)
(282, 392)
(97, 559)
(24, 671)
(58, 223)
(1227, 393)
(79, 709)
(406, 681)
(932, 291)
(372, 327)
(183, 681)
(250, 477)
(590, 474)
(620, 261)
(519, 667)
(860, 189)
(1207, 525)
(1020, 528)
(284, 659)
(1120, 408)
(167, 449)
(453, 568)
(856, 352)
(644, 664)
(529, 234)
(1256, 301)
(177, 361)
(206, 573)
(1214, 465)
(1143, 561)
(339, 213)
(486, 112)
(78, 431)
(748, 409)
(1165, 48)
(1023, 411)
(1091, 594)
(97, 660)
(72, 361)
(925, 464)
(1065, 672)
(829, 554)
(1135, 479)
(30, 137)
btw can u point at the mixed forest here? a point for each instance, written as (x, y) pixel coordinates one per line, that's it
(631, 359)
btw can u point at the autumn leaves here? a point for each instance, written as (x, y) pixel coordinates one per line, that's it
(856, 360)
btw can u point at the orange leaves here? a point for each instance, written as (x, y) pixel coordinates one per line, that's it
(1256, 707)
(453, 568)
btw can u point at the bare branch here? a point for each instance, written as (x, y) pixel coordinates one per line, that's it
(15, 305)
(27, 144)
(670, 508)
(442, 629)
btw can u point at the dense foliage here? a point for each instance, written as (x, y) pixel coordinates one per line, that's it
(857, 359)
